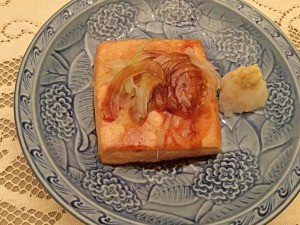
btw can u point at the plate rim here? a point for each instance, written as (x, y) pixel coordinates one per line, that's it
(56, 197)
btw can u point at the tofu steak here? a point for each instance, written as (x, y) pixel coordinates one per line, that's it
(155, 100)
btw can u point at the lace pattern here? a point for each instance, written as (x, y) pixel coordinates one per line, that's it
(22, 199)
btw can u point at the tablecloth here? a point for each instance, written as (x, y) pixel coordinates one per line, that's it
(22, 199)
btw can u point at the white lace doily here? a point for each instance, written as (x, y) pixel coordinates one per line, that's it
(22, 199)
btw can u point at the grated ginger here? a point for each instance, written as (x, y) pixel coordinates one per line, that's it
(242, 90)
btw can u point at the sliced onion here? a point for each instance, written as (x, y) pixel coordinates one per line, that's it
(146, 54)
(147, 70)
(130, 87)
(207, 67)
(111, 103)
(144, 94)
(170, 57)
(180, 140)
(181, 69)
(169, 66)
(169, 134)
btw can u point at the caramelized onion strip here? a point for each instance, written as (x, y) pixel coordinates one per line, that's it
(111, 103)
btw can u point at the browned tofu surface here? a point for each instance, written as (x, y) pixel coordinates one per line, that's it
(121, 141)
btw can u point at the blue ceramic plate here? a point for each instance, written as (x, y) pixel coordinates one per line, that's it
(250, 182)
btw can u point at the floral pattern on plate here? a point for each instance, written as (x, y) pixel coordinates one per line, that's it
(112, 21)
(159, 174)
(279, 108)
(238, 46)
(177, 13)
(227, 177)
(107, 188)
(56, 112)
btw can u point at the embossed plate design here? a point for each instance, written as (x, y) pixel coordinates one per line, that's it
(251, 181)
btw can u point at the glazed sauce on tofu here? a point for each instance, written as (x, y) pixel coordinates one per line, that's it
(173, 86)
(185, 87)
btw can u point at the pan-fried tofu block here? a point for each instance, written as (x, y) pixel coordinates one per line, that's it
(162, 134)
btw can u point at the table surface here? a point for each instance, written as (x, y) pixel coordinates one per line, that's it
(22, 199)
